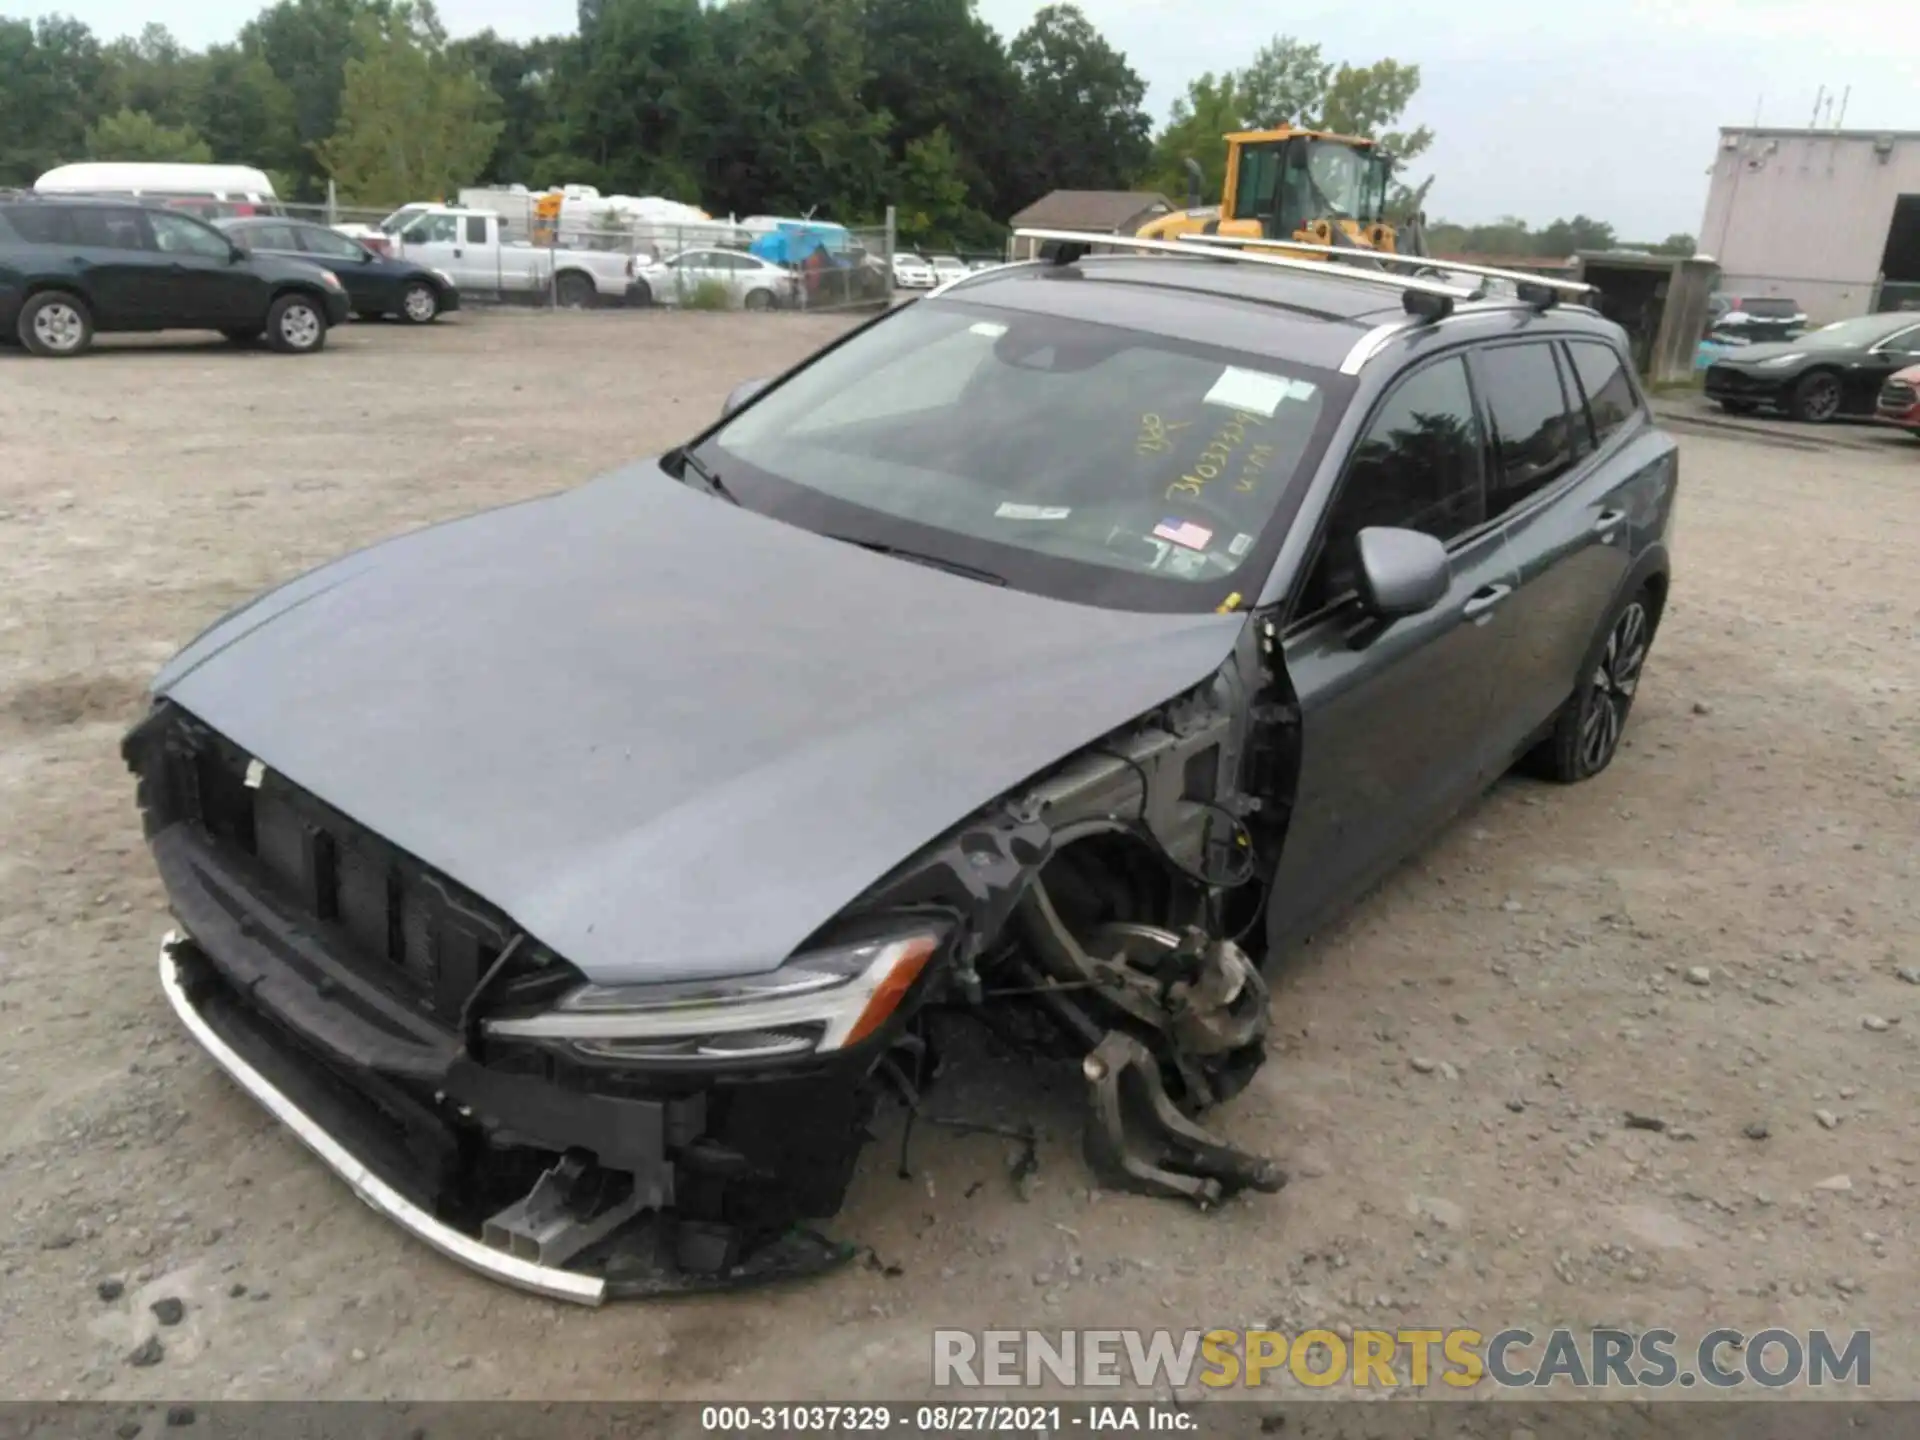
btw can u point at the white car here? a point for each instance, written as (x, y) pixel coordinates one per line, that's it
(948, 267)
(749, 282)
(910, 272)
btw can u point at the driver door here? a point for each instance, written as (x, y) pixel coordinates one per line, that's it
(1393, 721)
(202, 285)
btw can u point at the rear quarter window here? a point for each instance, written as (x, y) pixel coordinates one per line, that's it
(1609, 392)
(36, 224)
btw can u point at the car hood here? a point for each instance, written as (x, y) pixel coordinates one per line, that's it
(670, 737)
(1774, 349)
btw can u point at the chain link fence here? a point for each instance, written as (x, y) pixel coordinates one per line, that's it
(617, 261)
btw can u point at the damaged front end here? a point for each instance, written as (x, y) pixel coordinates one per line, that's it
(589, 1142)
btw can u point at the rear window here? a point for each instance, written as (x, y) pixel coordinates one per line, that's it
(1769, 307)
(38, 224)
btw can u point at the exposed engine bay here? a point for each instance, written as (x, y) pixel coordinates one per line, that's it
(1110, 912)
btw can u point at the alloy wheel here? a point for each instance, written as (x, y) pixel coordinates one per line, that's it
(1821, 397)
(421, 305)
(58, 327)
(1610, 691)
(300, 327)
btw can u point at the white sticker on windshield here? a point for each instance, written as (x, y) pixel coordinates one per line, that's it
(1253, 390)
(987, 328)
(1256, 391)
(1240, 544)
(1011, 511)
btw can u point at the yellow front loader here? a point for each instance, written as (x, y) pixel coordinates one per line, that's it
(1307, 185)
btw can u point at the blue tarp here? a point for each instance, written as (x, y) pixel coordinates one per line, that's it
(794, 242)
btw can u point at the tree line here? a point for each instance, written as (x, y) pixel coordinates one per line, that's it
(833, 107)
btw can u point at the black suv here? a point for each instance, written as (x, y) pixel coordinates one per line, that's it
(72, 267)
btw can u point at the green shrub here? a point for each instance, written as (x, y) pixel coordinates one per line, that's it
(709, 295)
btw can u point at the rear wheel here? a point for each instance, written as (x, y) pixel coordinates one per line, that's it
(759, 300)
(296, 325)
(55, 324)
(1816, 398)
(1587, 732)
(420, 305)
(574, 291)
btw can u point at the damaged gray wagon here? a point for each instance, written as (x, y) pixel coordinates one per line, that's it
(576, 877)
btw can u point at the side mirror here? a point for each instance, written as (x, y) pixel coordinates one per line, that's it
(1402, 572)
(740, 395)
(234, 253)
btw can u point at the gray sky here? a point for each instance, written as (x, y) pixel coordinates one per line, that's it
(1609, 107)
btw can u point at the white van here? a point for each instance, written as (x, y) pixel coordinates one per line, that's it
(209, 191)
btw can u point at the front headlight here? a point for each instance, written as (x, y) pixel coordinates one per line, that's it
(330, 280)
(1783, 360)
(444, 278)
(817, 1003)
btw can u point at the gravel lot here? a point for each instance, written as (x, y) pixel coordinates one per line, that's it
(1535, 962)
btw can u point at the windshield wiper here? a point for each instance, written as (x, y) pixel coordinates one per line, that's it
(921, 557)
(715, 485)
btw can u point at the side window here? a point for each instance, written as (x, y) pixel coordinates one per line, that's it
(318, 240)
(1418, 467)
(476, 229)
(1603, 380)
(103, 228)
(1534, 434)
(268, 237)
(1907, 342)
(434, 230)
(41, 224)
(177, 235)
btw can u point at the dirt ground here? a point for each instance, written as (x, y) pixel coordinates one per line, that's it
(1760, 823)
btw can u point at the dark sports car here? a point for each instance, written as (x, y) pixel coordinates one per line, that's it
(376, 284)
(1833, 371)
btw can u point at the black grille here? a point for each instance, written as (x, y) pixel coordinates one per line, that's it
(1897, 396)
(410, 929)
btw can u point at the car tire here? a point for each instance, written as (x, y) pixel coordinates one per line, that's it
(55, 324)
(1816, 397)
(420, 304)
(640, 294)
(574, 291)
(759, 300)
(1738, 407)
(296, 324)
(1586, 733)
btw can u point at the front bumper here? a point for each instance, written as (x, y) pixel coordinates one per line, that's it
(448, 1138)
(1732, 382)
(552, 1282)
(1899, 405)
(339, 306)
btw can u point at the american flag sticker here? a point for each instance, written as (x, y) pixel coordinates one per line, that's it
(1184, 532)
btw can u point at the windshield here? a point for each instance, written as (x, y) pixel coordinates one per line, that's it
(401, 218)
(1080, 460)
(1345, 180)
(1850, 334)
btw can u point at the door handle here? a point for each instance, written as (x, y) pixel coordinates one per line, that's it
(1480, 604)
(1608, 525)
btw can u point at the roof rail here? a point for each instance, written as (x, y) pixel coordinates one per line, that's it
(1428, 299)
(1424, 262)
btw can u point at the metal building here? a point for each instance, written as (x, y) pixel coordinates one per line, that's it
(1830, 218)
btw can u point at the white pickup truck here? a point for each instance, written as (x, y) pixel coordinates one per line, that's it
(475, 248)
